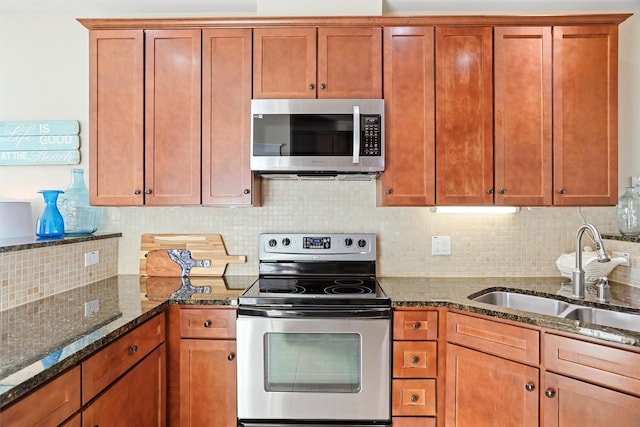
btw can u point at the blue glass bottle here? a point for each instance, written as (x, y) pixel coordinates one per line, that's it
(50, 223)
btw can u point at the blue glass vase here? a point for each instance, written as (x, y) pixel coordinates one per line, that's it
(80, 218)
(50, 223)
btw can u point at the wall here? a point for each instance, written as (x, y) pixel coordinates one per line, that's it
(43, 75)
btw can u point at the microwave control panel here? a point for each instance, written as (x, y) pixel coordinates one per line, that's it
(370, 135)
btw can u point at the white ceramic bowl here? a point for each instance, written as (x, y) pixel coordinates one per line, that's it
(593, 270)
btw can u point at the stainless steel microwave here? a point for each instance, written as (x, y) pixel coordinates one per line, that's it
(317, 137)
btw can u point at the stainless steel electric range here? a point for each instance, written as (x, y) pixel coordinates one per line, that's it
(313, 334)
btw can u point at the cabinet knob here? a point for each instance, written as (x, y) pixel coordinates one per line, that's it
(133, 349)
(550, 393)
(416, 325)
(207, 323)
(323, 86)
(137, 191)
(231, 356)
(312, 86)
(147, 191)
(246, 191)
(489, 190)
(415, 359)
(502, 191)
(414, 398)
(389, 191)
(562, 191)
(530, 386)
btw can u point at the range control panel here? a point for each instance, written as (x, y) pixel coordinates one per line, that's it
(301, 246)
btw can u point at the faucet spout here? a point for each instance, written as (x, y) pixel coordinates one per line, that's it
(578, 272)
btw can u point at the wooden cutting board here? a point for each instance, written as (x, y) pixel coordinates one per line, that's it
(202, 247)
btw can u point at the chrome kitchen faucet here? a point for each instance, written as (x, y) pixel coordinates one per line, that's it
(578, 272)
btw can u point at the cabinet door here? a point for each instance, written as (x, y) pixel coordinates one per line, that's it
(523, 149)
(464, 116)
(570, 402)
(172, 117)
(350, 62)
(116, 117)
(208, 383)
(585, 118)
(226, 110)
(136, 399)
(284, 63)
(484, 390)
(409, 176)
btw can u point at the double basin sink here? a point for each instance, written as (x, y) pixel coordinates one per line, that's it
(562, 309)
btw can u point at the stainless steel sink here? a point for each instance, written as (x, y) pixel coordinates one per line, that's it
(553, 307)
(599, 316)
(532, 303)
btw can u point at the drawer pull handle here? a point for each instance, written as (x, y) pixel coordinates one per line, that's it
(133, 349)
(207, 323)
(231, 356)
(550, 393)
(415, 359)
(530, 386)
(416, 325)
(414, 398)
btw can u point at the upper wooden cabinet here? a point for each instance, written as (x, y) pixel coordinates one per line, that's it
(585, 115)
(522, 114)
(464, 116)
(409, 177)
(347, 62)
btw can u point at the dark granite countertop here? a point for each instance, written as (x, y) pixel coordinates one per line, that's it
(31, 242)
(41, 339)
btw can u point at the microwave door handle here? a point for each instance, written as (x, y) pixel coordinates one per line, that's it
(356, 134)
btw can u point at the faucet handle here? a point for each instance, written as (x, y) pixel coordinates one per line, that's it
(604, 290)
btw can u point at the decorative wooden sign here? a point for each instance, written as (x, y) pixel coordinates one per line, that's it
(49, 142)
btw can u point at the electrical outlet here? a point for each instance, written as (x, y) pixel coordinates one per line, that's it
(622, 254)
(635, 182)
(91, 258)
(91, 307)
(440, 245)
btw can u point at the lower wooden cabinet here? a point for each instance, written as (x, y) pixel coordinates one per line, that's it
(136, 399)
(413, 422)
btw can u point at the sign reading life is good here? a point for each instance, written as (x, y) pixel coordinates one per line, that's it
(47, 142)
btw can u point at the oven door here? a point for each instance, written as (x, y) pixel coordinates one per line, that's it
(313, 369)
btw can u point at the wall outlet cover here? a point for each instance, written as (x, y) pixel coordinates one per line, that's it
(440, 245)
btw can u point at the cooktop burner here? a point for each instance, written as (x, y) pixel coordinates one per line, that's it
(317, 286)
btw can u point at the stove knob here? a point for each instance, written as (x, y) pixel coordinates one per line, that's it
(348, 241)
(286, 241)
(362, 243)
(273, 243)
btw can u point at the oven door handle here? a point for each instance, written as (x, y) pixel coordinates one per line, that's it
(284, 312)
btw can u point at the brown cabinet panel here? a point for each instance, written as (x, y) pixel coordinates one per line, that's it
(413, 422)
(208, 323)
(116, 117)
(413, 397)
(226, 111)
(509, 341)
(585, 118)
(523, 112)
(464, 115)
(599, 364)
(415, 325)
(136, 399)
(569, 403)
(486, 391)
(49, 405)
(208, 383)
(409, 85)
(349, 62)
(105, 366)
(172, 117)
(284, 61)
(414, 359)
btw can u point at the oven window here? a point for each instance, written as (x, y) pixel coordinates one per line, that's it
(313, 362)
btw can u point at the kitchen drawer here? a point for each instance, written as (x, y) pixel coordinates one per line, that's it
(415, 359)
(413, 398)
(500, 339)
(209, 323)
(108, 364)
(413, 422)
(50, 404)
(611, 367)
(414, 325)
